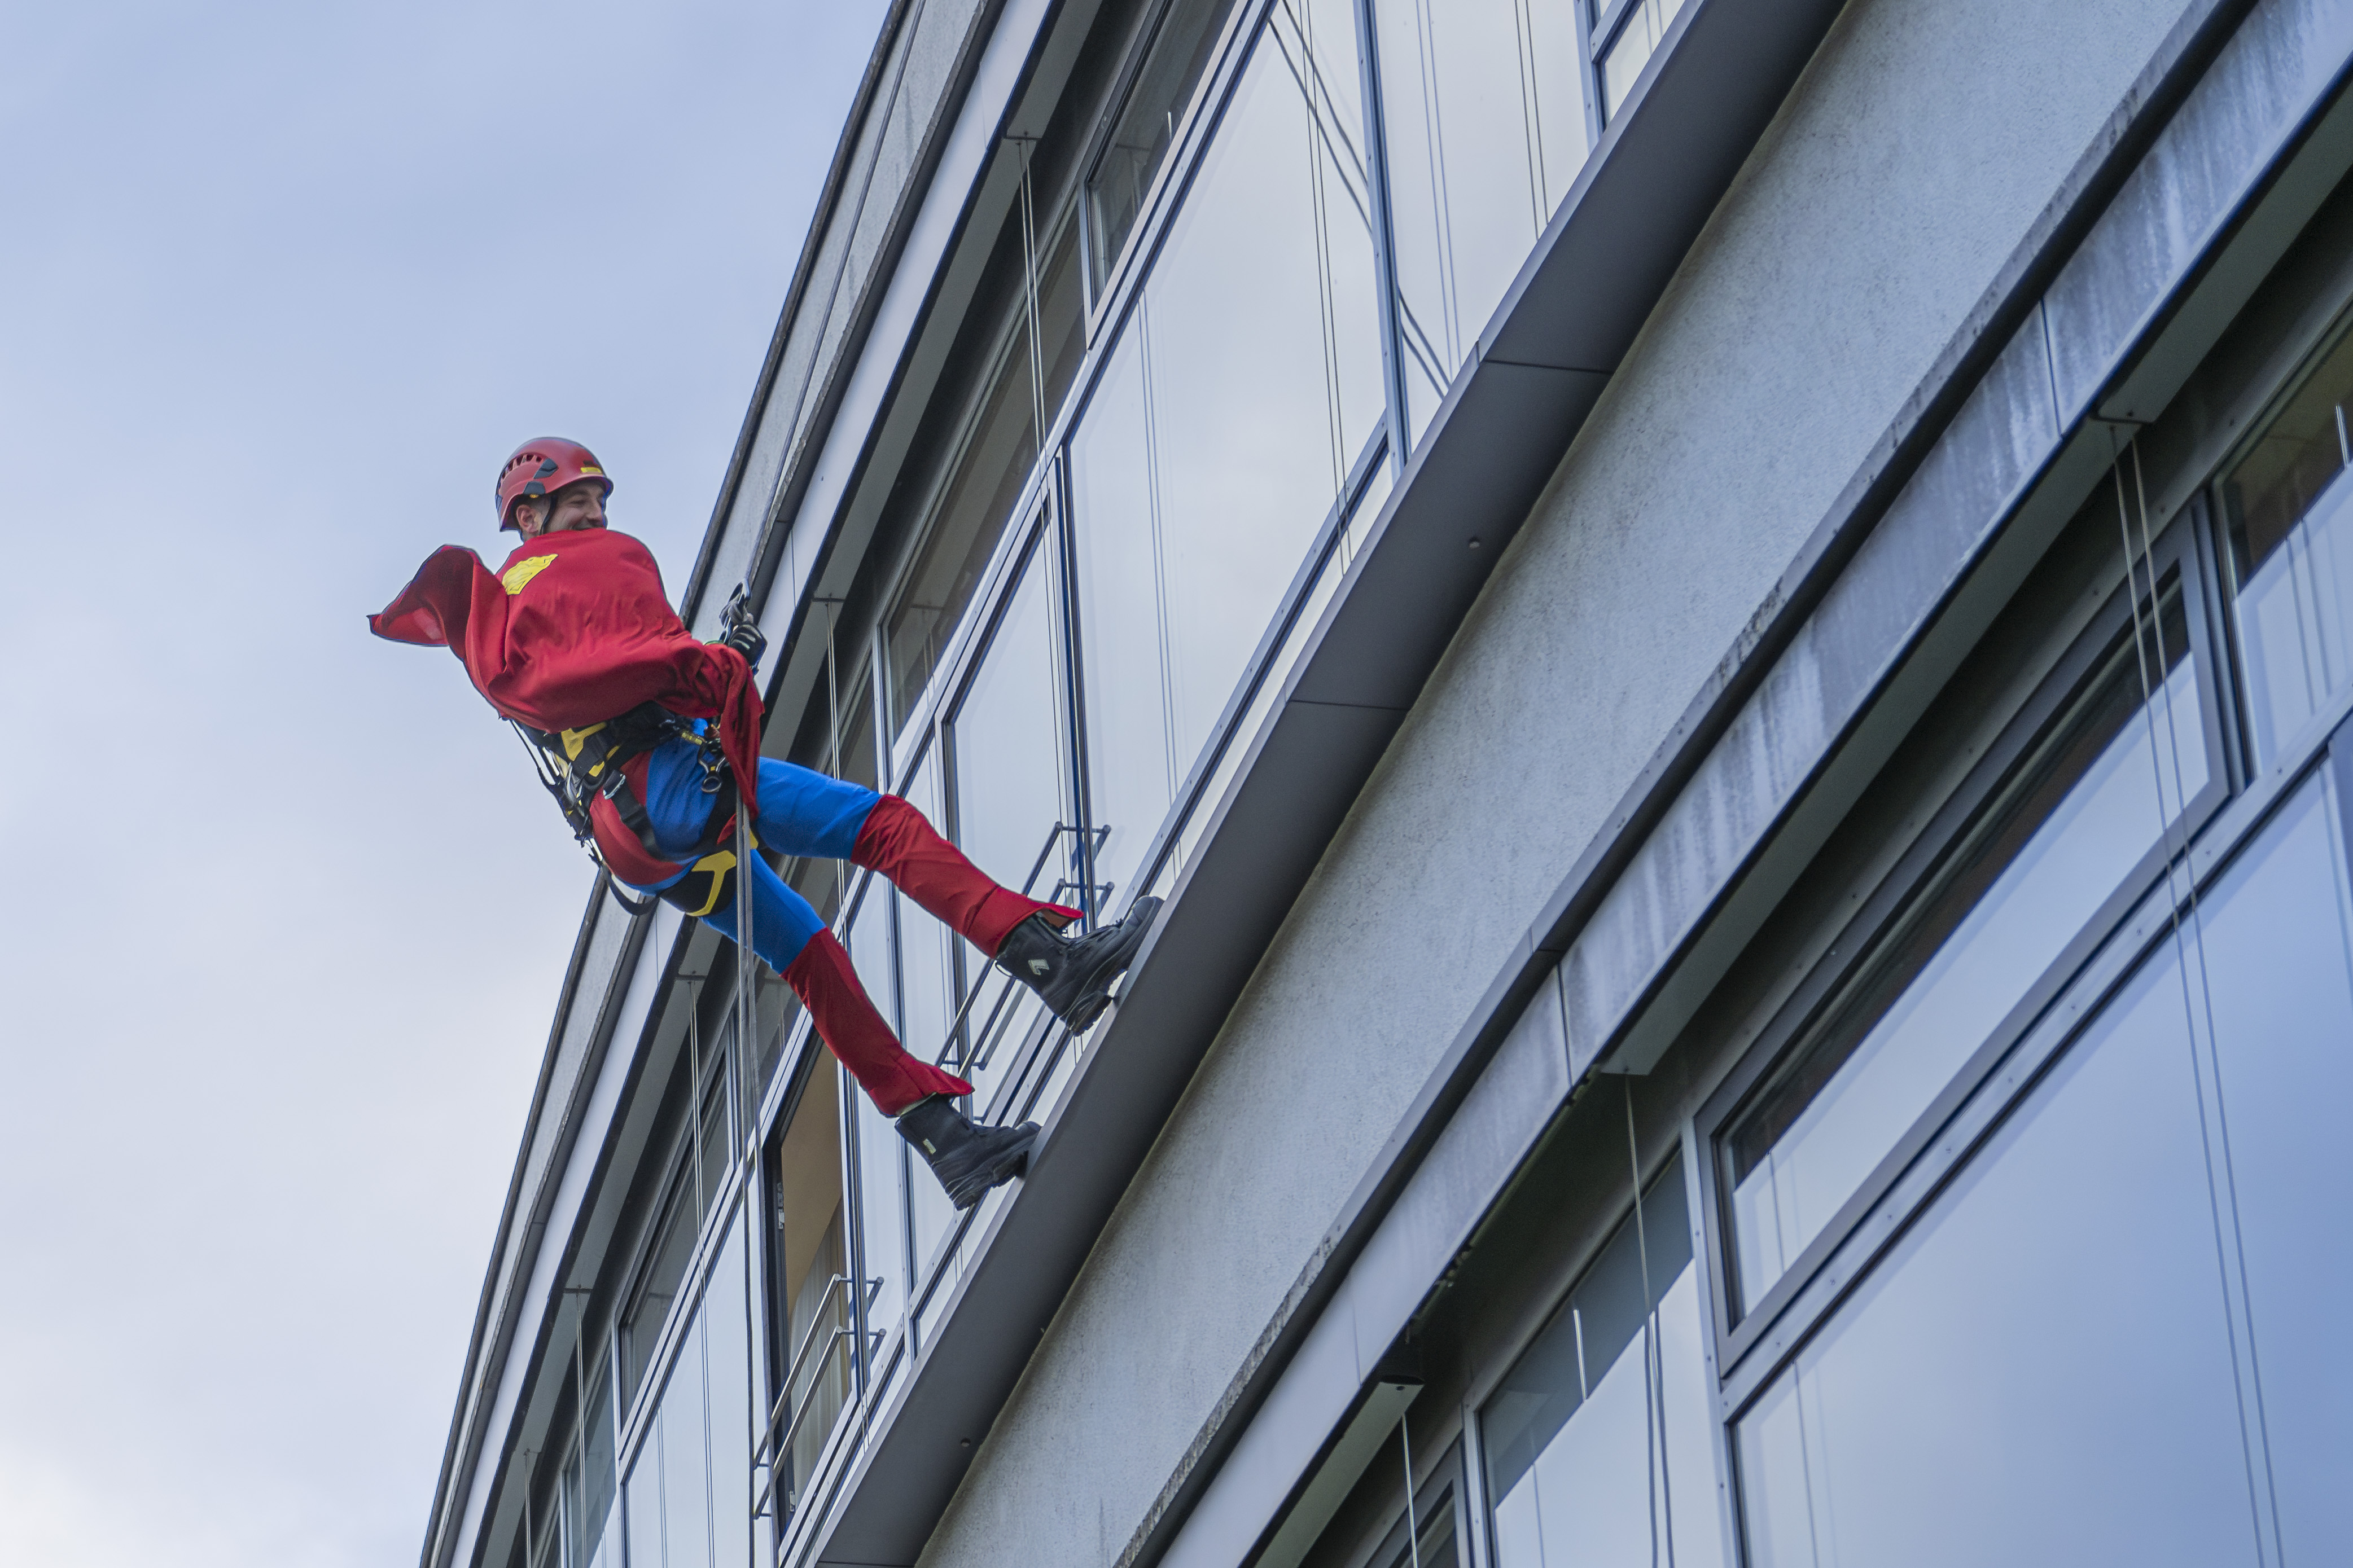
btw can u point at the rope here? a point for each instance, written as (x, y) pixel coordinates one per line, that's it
(747, 956)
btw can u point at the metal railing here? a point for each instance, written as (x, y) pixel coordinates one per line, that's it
(784, 1420)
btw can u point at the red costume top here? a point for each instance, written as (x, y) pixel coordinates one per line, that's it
(575, 629)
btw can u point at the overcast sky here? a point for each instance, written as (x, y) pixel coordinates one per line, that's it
(286, 915)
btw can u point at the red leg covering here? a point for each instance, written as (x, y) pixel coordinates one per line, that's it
(846, 1020)
(898, 842)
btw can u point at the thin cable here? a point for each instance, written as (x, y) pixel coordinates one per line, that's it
(2224, 1183)
(1327, 309)
(1531, 110)
(1434, 125)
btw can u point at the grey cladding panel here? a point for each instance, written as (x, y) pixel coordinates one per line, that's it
(2204, 165)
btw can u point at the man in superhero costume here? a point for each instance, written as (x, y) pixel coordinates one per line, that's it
(652, 736)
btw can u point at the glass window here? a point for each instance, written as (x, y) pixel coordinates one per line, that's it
(642, 1501)
(1005, 741)
(2289, 512)
(1245, 381)
(1185, 35)
(2275, 946)
(882, 1215)
(588, 1483)
(1598, 1441)
(991, 447)
(2041, 1372)
(1006, 747)
(657, 1285)
(686, 1459)
(1644, 29)
(726, 1332)
(1483, 105)
(2075, 820)
(687, 1498)
(927, 947)
(810, 1301)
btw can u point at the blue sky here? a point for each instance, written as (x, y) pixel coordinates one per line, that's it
(279, 286)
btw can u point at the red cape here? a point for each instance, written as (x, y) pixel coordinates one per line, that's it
(573, 629)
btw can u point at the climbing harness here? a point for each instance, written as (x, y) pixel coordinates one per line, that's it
(574, 766)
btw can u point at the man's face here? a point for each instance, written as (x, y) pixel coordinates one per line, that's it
(580, 504)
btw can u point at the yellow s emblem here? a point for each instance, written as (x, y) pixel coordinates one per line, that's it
(522, 572)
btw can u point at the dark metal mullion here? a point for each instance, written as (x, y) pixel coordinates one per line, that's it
(1383, 227)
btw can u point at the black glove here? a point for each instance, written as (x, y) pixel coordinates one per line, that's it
(743, 631)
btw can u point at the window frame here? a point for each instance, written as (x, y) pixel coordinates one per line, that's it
(1807, 1290)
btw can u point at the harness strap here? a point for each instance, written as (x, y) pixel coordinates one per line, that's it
(586, 762)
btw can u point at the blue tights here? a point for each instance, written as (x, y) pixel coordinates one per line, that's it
(801, 813)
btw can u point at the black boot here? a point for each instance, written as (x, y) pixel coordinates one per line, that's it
(1074, 974)
(967, 1159)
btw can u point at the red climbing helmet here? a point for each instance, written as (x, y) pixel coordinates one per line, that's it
(542, 466)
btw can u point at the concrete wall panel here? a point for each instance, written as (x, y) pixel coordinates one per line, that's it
(1916, 153)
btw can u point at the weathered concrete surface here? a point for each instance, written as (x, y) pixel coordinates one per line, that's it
(1910, 162)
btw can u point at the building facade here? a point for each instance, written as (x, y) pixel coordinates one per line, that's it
(1727, 626)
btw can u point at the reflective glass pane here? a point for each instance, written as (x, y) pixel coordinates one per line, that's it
(2277, 946)
(1598, 1442)
(2040, 1372)
(2290, 514)
(589, 1482)
(934, 1215)
(1247, 381)
(1174, 62)
(1131, 772)
(1279, 668)
(977, 441)
(1006, 742)
(810, 1301)
(2059, 842)
(642, 1499)
(883, 1212)
(727, 1359)
(1483, 101)
(926, 947)
(641, 1321)
(686, 1459)
(994, 465)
